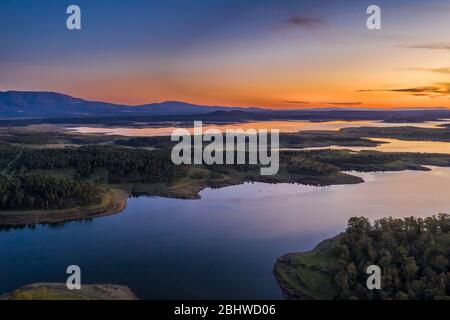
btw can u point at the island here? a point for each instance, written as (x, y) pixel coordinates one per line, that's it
(54, 177)
(412, 253)
(59, 291)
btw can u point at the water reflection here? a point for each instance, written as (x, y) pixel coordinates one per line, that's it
(222, 246)
(283, 126)
(393, 145)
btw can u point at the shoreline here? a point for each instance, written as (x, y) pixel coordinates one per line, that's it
(196, 179)
(305, 275)
(115, 204)
(59, 291)
(185, 190)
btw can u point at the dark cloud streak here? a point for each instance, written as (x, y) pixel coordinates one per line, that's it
(431, 46)
(343, 103)
(305, 22)
(432, 91)
(295, 102)
(435, 70)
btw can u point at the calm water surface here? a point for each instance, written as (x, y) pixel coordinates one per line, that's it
(222, 246)
(390, 145)
(393, 145)
(283, 126)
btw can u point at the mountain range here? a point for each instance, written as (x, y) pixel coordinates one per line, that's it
(26, 107)
(45, 105)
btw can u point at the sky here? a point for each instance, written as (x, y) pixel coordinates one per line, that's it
(252, 53)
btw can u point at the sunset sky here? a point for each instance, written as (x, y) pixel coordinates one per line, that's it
(277, 53)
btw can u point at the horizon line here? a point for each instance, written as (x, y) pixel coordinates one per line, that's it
(262, 108)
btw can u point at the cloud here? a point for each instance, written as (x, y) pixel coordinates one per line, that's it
(435, 70)
(343, 103)
(410, 90)
(352, 103)
(438, 89)
(305, 22)
(432, 46)
(295, 102)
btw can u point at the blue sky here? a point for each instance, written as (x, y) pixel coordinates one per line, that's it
(232, 52)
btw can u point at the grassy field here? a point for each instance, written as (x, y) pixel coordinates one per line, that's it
(57, 291)
(306, 276)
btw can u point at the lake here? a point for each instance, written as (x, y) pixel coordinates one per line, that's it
(283, 126)
(220, 247)
(391, 145)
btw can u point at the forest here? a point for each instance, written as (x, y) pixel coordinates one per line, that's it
(413, 254)
(123, 164)
(26, 181)
(152, 172)
(41, 192)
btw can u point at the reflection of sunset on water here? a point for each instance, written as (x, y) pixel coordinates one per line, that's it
(395, 145)
(283, 126)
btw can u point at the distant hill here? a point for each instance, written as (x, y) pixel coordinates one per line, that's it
(45, 105)
(21, 108)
